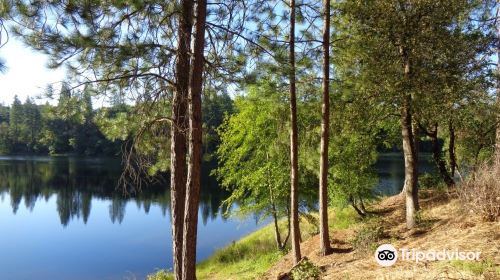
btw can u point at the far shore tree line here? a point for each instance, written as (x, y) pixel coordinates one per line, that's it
(74, 127)
(317, 88)
(67, 128)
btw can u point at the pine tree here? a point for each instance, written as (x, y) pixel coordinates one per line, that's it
(32, 124)
(325, 128)
(294, 170)
(16, 119)
(409, 54)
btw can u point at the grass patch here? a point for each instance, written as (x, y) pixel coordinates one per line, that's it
(161, 275)
(244, 259)
(342, 218)
(369, 235)
(486, 267)
(247, 258)
(253, 255)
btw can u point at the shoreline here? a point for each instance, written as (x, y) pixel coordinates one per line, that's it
(255, 256)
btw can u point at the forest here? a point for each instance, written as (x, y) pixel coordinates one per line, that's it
(293, 101)
(74, 127)
(66, 128)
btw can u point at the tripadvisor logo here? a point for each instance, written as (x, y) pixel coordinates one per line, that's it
(387, 255)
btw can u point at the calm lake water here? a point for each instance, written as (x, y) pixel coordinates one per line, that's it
(64, 218)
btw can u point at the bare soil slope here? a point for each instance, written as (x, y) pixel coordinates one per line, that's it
(443, 224)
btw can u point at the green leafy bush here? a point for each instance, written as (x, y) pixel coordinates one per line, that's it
(429, 181)
(161, 275)
(305, 270)
(367, 237)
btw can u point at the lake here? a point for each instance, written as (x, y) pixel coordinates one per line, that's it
(65, 218)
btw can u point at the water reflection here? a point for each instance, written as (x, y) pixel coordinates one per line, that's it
(391, 171)
(76, 182)
(106, 234)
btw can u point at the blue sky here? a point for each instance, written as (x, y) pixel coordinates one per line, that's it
(27, 74)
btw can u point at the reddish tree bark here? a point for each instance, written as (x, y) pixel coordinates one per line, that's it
(497, 138)
(294, 144)
(179, 126)
(195, 145)
(325, 125)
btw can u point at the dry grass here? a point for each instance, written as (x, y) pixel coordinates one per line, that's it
(481, 192)
(442, 226)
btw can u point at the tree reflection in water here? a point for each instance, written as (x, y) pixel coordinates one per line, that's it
(75, 182)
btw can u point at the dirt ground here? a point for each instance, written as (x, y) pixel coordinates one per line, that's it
(443, 226)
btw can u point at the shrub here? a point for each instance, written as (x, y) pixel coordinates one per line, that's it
(367, 237)
(429, 181)
(305, 270)
(480, 193)
(422, 220)
(161, 275)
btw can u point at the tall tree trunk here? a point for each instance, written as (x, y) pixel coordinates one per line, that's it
(274, 212)
(410, 185)
(416, 147)
(325, 125)
(195, 145)
(410, 188)
(294, 144)
(497, 138)
(178, 148)
(277, 234)
(362, 205)
(451, 149)
(353, 204)
(288, 226)
(438, 159)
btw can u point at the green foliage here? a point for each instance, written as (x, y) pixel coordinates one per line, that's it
(247, 258)
(4, 138)
(387, 53)
(477, 134)
(241, 250)
(368, 236)
(343, 218)
(351, 171)
(215, 108)
(305, 270)
(68, 128)
(254, 161)
(161, 275)
(485, 267)
(254, 152)
(251, 256)
(32, 124)
(430, 181)
(447, 83)
(16, 120)
(146, 126)
(353, 148)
